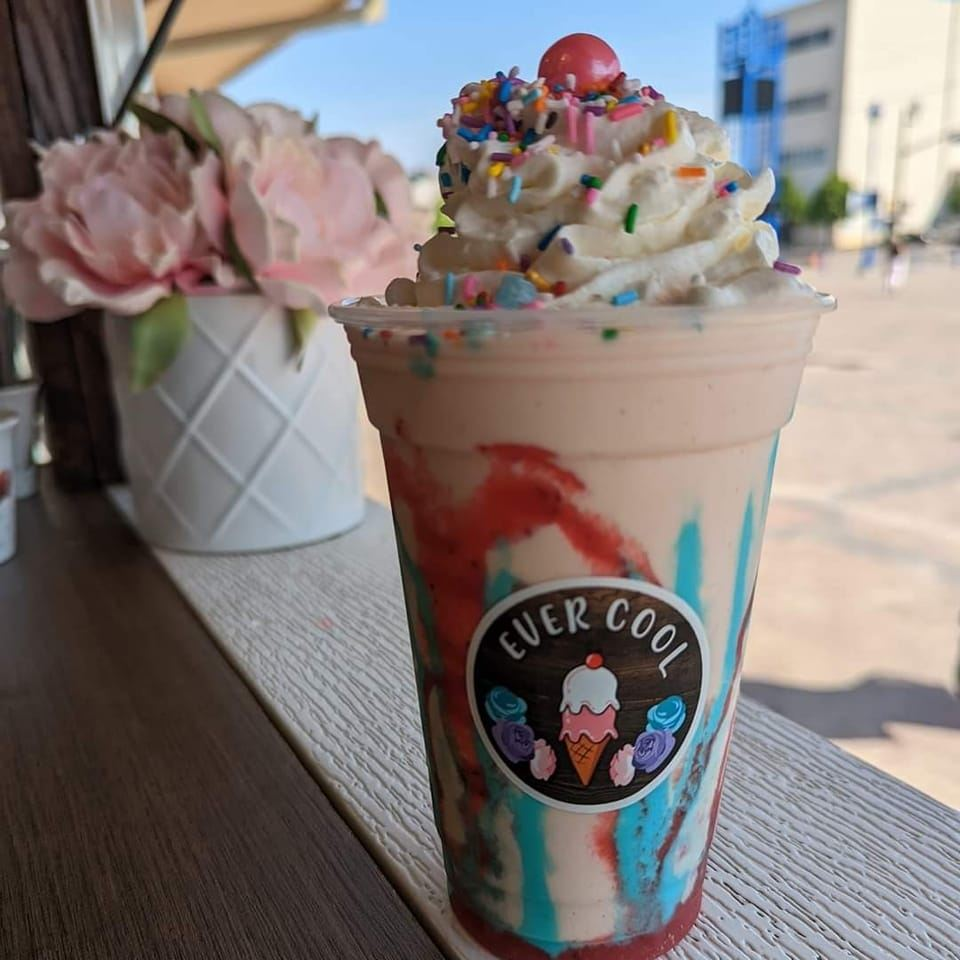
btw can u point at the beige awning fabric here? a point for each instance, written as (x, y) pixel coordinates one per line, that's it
(214, 39)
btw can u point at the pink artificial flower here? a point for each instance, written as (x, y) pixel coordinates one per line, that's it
(304, 214)
(544, 762)
(120, 224)
(123, 223)
(622, 770)
(232, 123)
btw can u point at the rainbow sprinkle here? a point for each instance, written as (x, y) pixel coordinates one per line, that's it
(589, 133)
(422, 368)
(507, 120)
(626, 110)
(573, 117)
(514, 292)
(785, 267)
(547, 238)
(537, 280)
(670, 131)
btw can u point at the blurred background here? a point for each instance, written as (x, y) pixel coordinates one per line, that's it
(856, 106)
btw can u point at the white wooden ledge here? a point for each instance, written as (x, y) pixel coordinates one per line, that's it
(817, 855)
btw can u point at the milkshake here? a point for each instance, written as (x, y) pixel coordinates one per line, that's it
(579, 399)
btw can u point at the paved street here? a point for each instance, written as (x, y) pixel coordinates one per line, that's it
(855, 631)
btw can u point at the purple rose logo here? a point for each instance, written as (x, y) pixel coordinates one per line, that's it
(652, 749)
(515, 740)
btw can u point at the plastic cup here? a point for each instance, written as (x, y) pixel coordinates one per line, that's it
(579, 502)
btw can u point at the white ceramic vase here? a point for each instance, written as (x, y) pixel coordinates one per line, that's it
(239, 447)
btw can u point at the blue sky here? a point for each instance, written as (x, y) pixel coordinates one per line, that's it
(391, 80)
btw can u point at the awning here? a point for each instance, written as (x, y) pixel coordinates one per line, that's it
(214, 39)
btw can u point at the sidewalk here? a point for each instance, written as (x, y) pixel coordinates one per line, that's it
(855, 630)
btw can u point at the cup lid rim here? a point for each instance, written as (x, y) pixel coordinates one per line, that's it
(372, 312)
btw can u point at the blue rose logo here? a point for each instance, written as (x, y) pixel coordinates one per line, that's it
(503, 704)
(667, 715)
(652, 749)
(515, 740)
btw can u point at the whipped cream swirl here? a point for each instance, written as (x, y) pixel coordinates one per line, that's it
(617, 197)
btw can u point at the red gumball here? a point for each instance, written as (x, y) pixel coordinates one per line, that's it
(592, 61)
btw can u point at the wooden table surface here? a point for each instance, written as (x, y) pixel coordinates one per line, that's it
(151, 808)
(817, 855)
(148, 806)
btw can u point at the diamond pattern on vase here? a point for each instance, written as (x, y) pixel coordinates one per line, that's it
(266, 455)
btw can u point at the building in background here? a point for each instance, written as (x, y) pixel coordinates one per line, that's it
(864, 88)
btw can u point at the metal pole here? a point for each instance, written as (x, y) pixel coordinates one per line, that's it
(905, 118)
(897, 172)
(946, 109)
(873, 115)
(149, 58)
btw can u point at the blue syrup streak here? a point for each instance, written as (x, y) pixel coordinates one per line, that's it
(654, 894)
(539, 921)
(771, 463)
(642, 827)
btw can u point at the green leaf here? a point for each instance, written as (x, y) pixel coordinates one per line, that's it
(161, 124)
(157, 338)
(302, 324)
(382, 210)
(203, 123)
(236, 256)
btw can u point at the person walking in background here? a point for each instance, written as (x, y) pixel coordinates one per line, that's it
(898, 267)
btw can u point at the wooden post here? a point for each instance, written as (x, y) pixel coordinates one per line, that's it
(48, 89)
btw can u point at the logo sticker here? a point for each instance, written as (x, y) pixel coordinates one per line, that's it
(586, 692)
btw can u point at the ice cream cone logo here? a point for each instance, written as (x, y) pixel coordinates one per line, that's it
(588, 714)
(623, 662)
